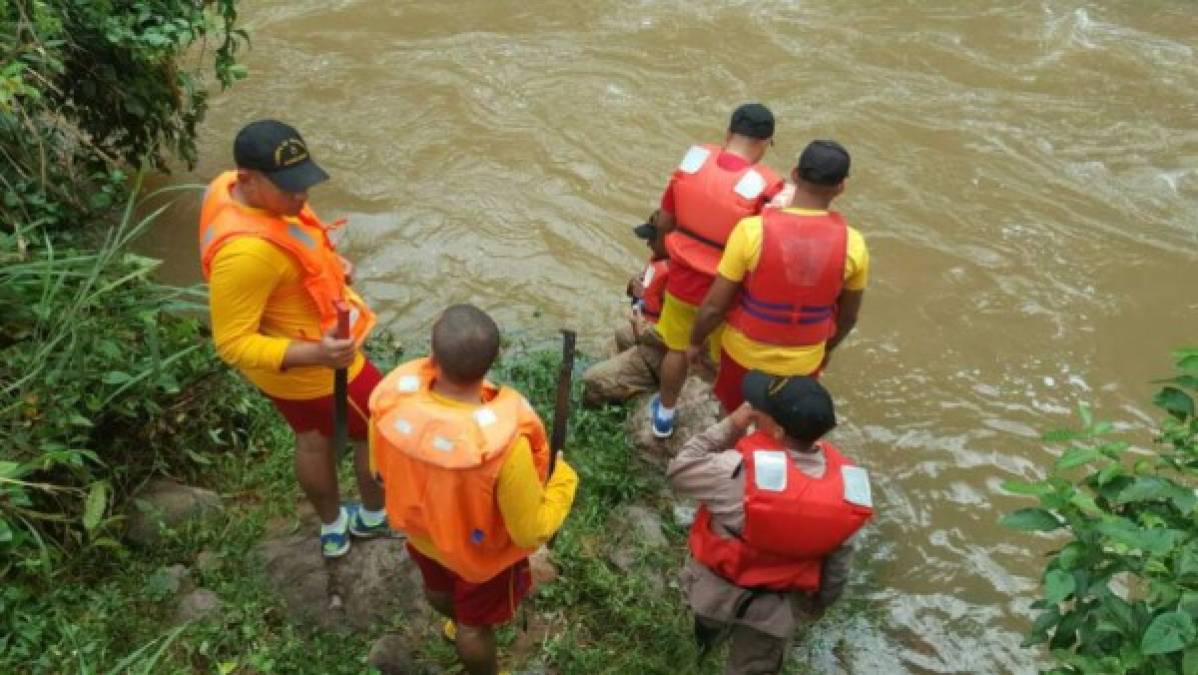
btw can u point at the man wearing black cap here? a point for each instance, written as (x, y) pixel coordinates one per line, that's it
(712, 189)
(790, 282)
(276, 289)
(636, 366)
(772, 541)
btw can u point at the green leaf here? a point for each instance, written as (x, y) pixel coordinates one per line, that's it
(5, 532)
(1156, 542)
(1168, 632)
(1146, 489)
(95, 505)
(1031, 519)
(115, 377)
(9, 469)
(1087, 416)
(1189, 662)
(1058, 585)
(1075, 457)
(1187, 560)
(1058, 435)
(1175, 402)
(1072, 555)
(1018, 487)
(1109, 472)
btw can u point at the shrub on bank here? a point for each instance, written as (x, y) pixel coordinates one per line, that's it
(1121, 593)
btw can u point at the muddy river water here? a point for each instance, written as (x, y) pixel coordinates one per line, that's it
(1025, 173)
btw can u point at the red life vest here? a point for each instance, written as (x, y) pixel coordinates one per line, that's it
(792, 521)
(305, 238)
(708, 202)
(790, 298)
(654, 281)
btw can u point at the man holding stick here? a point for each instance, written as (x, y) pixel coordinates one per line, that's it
(470, 477)
(276, 283)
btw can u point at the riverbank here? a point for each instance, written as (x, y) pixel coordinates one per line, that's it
(613, 607)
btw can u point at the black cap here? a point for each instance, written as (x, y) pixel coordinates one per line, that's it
(799, 404)
(824, 163)
(753, 120)
(277, 150)
(646, 231)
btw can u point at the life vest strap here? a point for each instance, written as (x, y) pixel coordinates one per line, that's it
(700, 238)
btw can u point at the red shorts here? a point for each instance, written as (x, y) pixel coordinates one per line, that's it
(728, 381)
(317, 413)
(487, 604)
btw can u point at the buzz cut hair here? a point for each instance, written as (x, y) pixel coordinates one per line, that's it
(465, 343)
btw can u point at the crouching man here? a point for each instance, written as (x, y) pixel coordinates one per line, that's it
(772, 541)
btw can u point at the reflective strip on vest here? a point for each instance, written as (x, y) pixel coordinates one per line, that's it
(296, 232)
(750, 185)
(694, 159)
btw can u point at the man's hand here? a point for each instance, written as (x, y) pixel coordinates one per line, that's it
(335, 352)
(348, 267)
(742, 417)
(635, 289)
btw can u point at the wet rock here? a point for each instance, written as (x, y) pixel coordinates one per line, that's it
(542, 568)
(697, 410)
(208, 561)
(196, 605)
(391, 656)
(163, 504)
(684, 514)
(370, 583)
(645, 524)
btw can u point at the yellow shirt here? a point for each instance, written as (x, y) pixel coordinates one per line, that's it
(741, 255)
(531, 513)
(258, 305)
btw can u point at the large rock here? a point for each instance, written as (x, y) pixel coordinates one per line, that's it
(391, 655)
(697, 410)
(164, 504)
(197, 605)
(370, 583)
(638, 528)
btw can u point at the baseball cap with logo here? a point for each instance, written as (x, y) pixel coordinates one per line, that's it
(824, 163)
(277, 150)
(753, 120)
(799, 404)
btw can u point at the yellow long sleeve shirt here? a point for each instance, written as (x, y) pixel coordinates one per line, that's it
(258, 305)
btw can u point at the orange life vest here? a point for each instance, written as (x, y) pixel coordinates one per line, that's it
(708, 202)
(439, 465)
(305, 238)
(654, 281)
(791, 297)
(792, 521)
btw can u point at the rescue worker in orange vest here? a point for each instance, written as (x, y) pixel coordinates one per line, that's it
(773, 539)
(712, 189)
(790, 282)
(465, 464)
(636, 365)
(275, 280)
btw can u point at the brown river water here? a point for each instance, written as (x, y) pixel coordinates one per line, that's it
(1025, 173)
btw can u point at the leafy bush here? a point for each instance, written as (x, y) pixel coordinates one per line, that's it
(103, 380)
(1121, 595)
(88, 86)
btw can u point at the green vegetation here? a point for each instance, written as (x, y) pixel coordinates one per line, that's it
(1121, 594)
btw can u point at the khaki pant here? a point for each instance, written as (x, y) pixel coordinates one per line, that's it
(750, 652)
(634, 370)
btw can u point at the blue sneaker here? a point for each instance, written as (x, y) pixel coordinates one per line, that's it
(334, 544)
(662, 427)
(360, 529)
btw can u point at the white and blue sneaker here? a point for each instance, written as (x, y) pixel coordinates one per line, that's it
(663, 426)
(363, 529)
(334, 541)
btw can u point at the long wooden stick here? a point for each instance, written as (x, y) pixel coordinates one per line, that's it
(341, 391)
(561, 408)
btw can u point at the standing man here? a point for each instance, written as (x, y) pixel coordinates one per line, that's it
(790, 281)
(275, 282)
(467, 470)
(779, 507)
(712, 189)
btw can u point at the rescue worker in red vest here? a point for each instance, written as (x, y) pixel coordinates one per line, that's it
(773, 539)
(466, 464)
(636, 366)
(712, 189)
(790, 282)
(275, 281)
